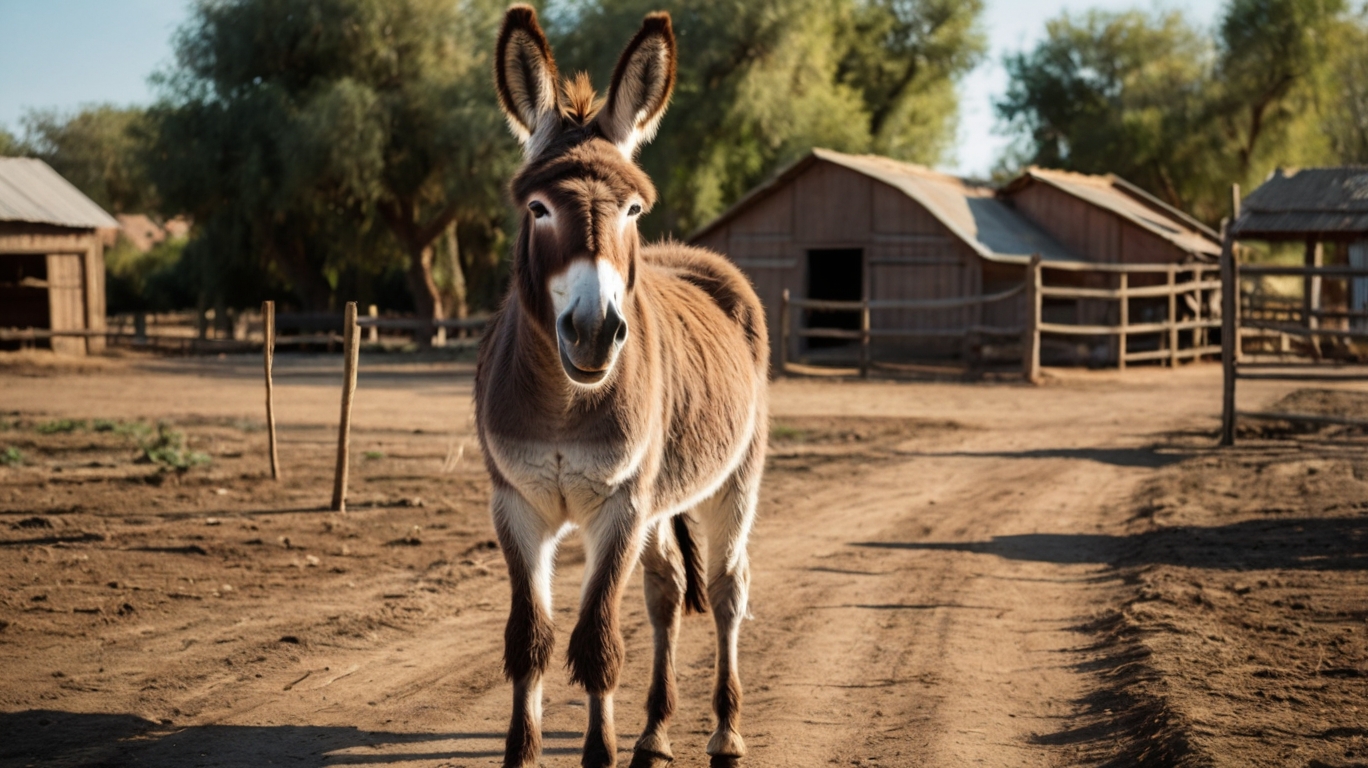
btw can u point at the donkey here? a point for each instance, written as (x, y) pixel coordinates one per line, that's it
(620, 390)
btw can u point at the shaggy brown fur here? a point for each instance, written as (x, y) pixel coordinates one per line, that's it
(672, 424)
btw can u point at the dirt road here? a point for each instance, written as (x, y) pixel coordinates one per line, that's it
(933, 563)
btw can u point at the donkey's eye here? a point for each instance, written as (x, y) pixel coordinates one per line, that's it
(538, 209)
(635, 210)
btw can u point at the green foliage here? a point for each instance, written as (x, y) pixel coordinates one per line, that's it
(9, 145)
(322, 142)
(98, 149)
(373, 455)
(154, 281)
(1150, 98)
(168, 448)
(761, 83)
(11, 457)
(61, 426)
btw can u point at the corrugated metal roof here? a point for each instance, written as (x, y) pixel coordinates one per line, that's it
(30, 191)
(1300, 202)
(972, 212)
(1114, 194)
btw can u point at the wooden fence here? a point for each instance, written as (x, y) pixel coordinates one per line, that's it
(1245, 320)
(1181, 281)
(186, 338)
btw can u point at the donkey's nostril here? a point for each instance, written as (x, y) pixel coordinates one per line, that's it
(614, 326)
(566, 326)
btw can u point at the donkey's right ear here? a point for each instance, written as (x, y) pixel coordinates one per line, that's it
(525, 74)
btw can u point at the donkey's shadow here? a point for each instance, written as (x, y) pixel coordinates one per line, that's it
(38, 737)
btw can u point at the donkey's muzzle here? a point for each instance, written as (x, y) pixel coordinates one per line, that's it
(589, 341)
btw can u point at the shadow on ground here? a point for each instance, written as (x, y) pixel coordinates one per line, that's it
(1149, 457)
(1325, 544)
(51, 738)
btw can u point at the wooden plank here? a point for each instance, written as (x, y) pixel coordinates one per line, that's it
(268, 355)
(1173, 317)
(785, 330)
(1309, 418)
(1125, 322)
(1031, 337)
(351, 348)
(1230, 333)
(1333, 270)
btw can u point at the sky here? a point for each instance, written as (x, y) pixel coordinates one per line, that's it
(66, 53)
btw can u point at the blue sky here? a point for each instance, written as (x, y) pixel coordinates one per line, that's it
(65, 53)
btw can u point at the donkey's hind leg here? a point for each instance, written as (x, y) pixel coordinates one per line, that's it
(727, 518)
(663, 564)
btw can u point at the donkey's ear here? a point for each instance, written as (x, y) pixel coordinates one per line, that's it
(525, 73)
(641, 86)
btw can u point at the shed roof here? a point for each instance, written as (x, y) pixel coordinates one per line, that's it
(1113, 193)
(970, 211)
(30, 191)
(1295, 203)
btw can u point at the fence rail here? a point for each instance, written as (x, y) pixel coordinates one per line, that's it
(1033, 325)
(1243, 320)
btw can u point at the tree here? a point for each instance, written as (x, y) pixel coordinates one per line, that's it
(763, 81)
(1345, 100)
(9, 145)
(309, 127)
(1148, 97)
(99, 149)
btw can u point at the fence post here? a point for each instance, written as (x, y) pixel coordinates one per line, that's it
(785, 326)
(268, 352)
(864, 338)
(351, 343)
(373, 333)
(1173, 315)
(1030, 341)
(1311, 289)
(1125, 321)
(1230, 332)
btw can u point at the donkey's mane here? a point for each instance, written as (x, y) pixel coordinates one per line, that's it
(581, 101)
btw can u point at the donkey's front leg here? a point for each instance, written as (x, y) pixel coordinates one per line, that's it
(612, 543)
(529, 547)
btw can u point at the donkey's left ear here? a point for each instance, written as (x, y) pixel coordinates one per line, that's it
(641, 87)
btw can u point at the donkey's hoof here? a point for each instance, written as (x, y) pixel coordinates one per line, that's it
(655, 744)
(726, 744)
(642, 759)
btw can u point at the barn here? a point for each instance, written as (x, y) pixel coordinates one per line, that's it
(834, 226)
(52, 270)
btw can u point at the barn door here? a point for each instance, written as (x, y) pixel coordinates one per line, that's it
(834, 274)
(66, 301)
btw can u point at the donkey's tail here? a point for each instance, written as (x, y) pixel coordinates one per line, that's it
(695, 581)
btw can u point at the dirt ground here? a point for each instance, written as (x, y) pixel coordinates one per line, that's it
(946, 574)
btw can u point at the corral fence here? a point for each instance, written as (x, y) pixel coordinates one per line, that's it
(1278, 340)
(1176, 323)
(194, 332)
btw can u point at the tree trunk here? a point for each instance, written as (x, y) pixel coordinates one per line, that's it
(427, 299)
(459, 308)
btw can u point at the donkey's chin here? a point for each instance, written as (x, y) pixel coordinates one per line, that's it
(585, 377)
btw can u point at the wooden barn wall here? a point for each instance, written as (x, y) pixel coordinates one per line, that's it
(1094, 233)
(911, 255)
(75, 280)
(908, 253)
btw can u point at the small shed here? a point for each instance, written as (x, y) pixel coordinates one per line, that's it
(1315, 206)
(845, 227)
(52, 270)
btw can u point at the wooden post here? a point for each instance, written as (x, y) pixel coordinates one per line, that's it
(268, 351)
(1199, 335)
(1125, 321)
(866, 293)
(864, 339)
(785, 328)
(373, 333)
(1030, 340)
(351, 343)
(1311, 290)
(1173, 315)
(1230, 331)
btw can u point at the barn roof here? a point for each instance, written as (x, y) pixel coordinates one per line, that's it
(970, 211)
(1295, 203)
(31, 192)
(1113, 193)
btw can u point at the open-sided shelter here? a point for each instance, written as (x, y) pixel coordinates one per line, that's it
(52, 269)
